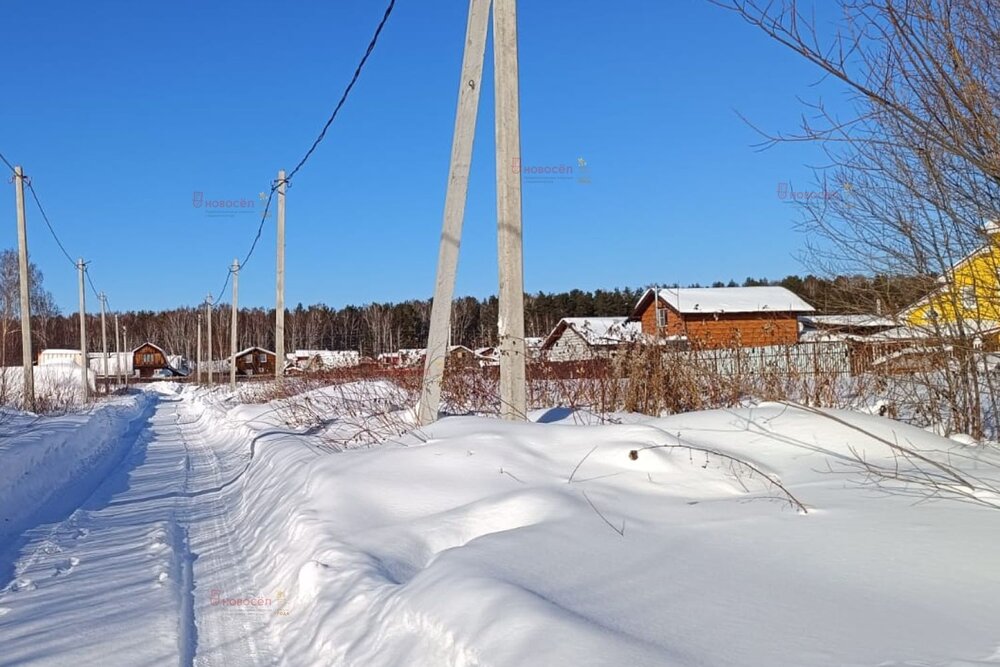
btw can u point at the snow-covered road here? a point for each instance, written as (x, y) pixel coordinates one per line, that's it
(147, 570)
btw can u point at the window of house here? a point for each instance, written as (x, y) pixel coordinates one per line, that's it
(661, 317)
(147, 358)
(969, 297)
(263, 358)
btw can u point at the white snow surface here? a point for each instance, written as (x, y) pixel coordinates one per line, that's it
(55, 382)
(481, 542)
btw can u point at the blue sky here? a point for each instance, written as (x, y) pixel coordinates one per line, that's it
(121, 111)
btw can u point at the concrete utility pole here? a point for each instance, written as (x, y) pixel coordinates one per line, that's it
(128, 370)
(119, 371)
(104, 342)
(513, 399)
(454, 208)
(28, 395)
(198, 352)
(80, 268)
(208, 348)
(279, 305)
(232, 335)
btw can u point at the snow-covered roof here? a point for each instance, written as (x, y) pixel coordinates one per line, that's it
(329, 358)
(690, 300)
(251, 349)
(597, 330)
(161, 350)
(852, 321)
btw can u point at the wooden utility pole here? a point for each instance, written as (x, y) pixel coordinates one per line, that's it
(513, 399)
(104, 342)
(279, 306)
(85, 365)
(454, 208)
(119, 371)
(198, 352)
(232, 335)
(28, 394)
(208, 348)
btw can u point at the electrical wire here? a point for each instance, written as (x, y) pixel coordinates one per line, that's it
(347, 90)
(7, 162)
(45, 217)
(322, 135)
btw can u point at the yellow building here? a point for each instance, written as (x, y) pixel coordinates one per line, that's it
(969, 293)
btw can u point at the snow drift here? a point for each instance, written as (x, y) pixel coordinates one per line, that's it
(479, 542)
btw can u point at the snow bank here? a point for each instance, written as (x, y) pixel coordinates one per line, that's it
(49, 465)
(479, 542)
(56, 384)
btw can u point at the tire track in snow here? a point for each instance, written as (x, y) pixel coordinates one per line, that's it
(224, 636)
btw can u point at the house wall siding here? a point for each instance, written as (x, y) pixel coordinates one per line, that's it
(147, 368)
(250, 363)
(971, 294)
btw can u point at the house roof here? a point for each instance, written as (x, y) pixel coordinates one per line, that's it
(328, 358)
(848, 321)
(596, 331)
(250, 349)
(160, 349)
(692, 300)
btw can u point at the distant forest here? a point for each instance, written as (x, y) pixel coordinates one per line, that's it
(382, 327)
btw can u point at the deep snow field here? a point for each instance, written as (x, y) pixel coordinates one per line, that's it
(143, 532)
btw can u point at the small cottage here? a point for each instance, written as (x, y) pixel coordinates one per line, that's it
(583, 338)
(254, 361)
(310, 361)
(721, 317)
(149, 360)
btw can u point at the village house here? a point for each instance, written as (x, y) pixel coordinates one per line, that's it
(312, 361)
(254, 361)
(583, 338)
(722, 317)
(967, 299)
(150, 360)
(458, 355)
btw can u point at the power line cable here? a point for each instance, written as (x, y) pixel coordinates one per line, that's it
(7, 162)
(343, 98)
(347, 91)
(45, 217)
(315, 144)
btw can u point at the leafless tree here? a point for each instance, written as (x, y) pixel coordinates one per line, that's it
(913, 180)
(42, 304)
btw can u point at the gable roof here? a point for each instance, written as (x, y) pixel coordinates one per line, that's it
(692, 300)
(251, 349)
(595, 331)
(152, 345)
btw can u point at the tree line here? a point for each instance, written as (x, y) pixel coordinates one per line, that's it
(384, 327)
